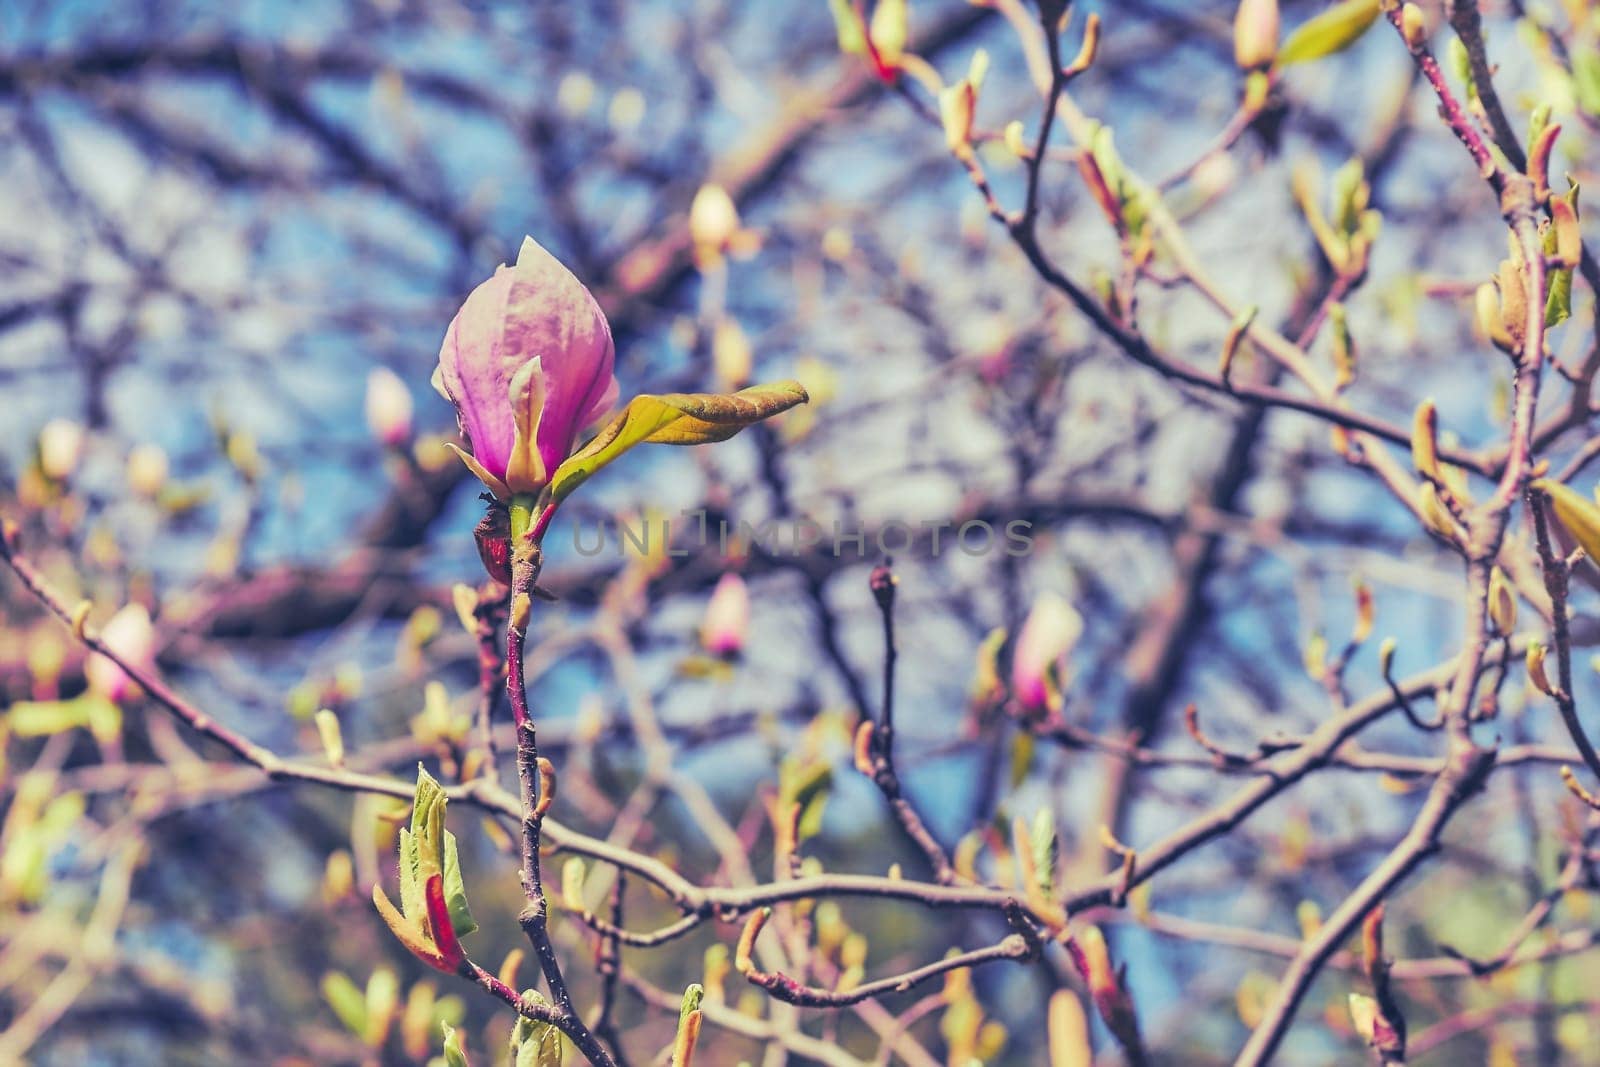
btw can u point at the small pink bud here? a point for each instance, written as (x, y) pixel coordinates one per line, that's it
(527, 362)
(131, 636)
(727, 618)
(60, 447)
(1051, 629)
(388, 407)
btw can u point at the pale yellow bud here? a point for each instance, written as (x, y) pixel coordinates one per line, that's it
(730, 355)
(713, 220)
(60, 448)
(147, 470)
(1255, 34)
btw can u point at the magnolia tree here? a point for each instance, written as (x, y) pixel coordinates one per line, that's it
(1141, 619)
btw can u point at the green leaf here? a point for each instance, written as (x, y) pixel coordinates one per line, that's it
(1044, 843)
(810, 822)
(1558, 298)
(1334, 30)
(1580, 518)
(454, 1054)
(411, 879)
(692, 997)
(1586, 79)
(533, 1043)
(348, 1002)
(675, 419)
(455, 890)
(1558, 301)
(43, 718)
(1021, 757)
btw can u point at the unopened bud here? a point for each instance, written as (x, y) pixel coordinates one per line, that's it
(863, 747)
(727, 619)
(1255, 34)
(959, 102)
(1424, 440)
(1569, 241)
(1051, 630)
(573, 873)
(1491, 323)
(1502, 602)
(1344, 350)
(743, 960)
(332, 737)
(1536, 674)
(338, 876)
(713, 222)
(1539, 150)
(956, 105)
(1090, 46)
(1014, 140)
(147, 470)
(388, 407)
(547, 787)
(1513, 301)
(60, 448)
(888, 30)
(1366, 610)
(1364, 1016)
(1413, 26)
(730, 355)
(1435, 516)
(1230, 343)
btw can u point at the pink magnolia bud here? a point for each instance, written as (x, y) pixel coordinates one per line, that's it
(130, 635)
(727, 619)
(527, 362)
(1051, 629)
(388, 407)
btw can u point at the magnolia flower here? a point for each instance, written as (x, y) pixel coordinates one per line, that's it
(727, 618)
(1051, 629)
(388, 407)
(527, 362)
(130, 635)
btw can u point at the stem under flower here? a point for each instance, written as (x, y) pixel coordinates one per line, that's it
(526, 562)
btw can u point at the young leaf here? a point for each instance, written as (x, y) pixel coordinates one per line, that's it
(1043, 841)
(455, 890)
(454, 1054)
(675, 419)
(1334, 30)
(348, 1002)
(533, 1043)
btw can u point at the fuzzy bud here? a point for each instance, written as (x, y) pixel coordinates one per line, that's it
(1255, 34)
(147, 470)
(727, 619)
(60, 448)
(388, 407)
